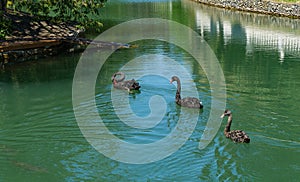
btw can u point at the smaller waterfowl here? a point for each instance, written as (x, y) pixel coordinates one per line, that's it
(190, 102)
(238, 136)
(128, 85)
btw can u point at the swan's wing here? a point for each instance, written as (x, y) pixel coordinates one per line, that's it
(239, 136)
(191, 102)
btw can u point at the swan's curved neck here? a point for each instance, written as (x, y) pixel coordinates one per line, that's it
(229, 121)
(178, 97)
(120, 79)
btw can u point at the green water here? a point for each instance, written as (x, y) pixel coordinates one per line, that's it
(259, 55)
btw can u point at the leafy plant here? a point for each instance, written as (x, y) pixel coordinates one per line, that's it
(5, 26)
(84, 12)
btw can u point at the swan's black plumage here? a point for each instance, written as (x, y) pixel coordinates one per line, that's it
(125, 85)
(238, 136)
(191, 102)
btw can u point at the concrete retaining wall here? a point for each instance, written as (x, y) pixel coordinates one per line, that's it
(259, 6)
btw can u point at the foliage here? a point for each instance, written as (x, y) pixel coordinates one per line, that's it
(84, 12)
(5, 26)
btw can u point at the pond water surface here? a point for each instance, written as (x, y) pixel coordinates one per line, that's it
(260, 59)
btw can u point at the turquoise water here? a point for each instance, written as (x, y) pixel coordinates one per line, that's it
(259, 55)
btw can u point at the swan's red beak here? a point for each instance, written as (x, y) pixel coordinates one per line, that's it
(222, 116)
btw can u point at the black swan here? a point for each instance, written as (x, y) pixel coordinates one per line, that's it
(125, 85)
(188, 101)
(238, 136)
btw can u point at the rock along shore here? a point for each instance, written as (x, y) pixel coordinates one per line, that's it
(34, 37)
(291, 10)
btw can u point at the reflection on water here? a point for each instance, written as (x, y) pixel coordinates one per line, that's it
(276, 34)
(259, 54)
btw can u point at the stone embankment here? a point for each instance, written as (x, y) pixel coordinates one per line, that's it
(33, 37)
(259, 6)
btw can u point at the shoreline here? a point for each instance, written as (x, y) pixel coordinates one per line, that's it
(291, 10)
(32, 37)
